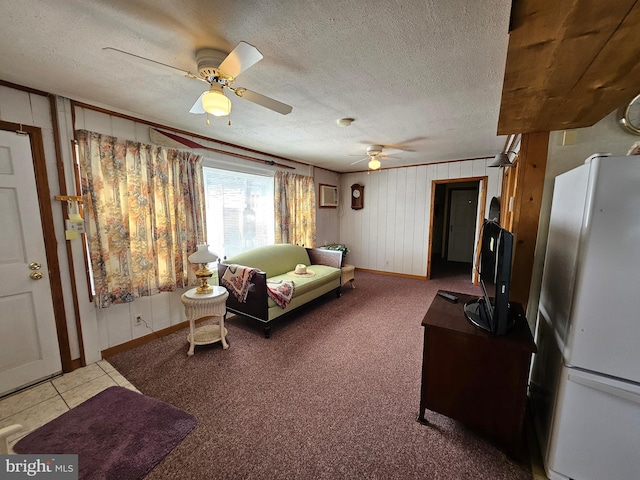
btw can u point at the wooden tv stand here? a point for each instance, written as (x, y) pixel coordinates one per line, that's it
(474, 377)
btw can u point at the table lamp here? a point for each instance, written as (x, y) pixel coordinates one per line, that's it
(203, 256)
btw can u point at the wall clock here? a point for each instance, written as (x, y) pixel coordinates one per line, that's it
(357, 196)
(630, 116)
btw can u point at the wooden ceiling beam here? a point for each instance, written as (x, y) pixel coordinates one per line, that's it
(569, 63)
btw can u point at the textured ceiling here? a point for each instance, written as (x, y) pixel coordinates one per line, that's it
(422, 75)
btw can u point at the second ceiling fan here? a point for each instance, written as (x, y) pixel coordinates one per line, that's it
(375, 154)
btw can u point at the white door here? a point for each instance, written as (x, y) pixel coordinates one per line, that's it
(28, 343)
(462, 225)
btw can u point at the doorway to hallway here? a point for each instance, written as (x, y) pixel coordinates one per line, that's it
(457, 210)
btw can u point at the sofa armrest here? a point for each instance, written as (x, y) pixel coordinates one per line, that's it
(256, 305)
(322, 256)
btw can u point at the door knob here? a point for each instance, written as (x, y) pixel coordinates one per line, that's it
(36, 275)
(34, 266)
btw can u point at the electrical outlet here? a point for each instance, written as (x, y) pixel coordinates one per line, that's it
(138, 318)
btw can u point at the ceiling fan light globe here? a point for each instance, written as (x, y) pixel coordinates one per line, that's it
(215, 103)
(374, 164)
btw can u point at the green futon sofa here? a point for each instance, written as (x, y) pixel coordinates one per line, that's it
(275, 262)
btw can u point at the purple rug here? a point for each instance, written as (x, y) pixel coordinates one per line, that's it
(118, 434)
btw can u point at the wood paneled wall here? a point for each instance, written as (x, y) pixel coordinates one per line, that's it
(530, 175)
(391, 232)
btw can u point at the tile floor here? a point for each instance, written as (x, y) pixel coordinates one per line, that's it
(37, 405)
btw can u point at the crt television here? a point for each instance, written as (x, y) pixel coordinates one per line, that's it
(490, 312)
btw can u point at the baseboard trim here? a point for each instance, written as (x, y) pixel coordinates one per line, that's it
(136, 342)
(393, 274)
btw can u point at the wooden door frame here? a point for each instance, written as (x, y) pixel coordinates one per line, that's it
(49, 236)
(482, 195)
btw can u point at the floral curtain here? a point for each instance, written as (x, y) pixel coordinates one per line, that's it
(144, 215)
(295, 209)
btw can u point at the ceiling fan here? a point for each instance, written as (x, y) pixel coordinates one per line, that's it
(220, 70)
(375, 154)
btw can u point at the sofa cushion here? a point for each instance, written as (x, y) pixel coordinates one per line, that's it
(272, 259)
(302, 285)
(323, 274)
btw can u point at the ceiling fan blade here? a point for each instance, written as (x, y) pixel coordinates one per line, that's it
(408, 145)
(241, 57)
(391, 151)
(186, 73)
(263, 100)
(361, 160)
(197, 107)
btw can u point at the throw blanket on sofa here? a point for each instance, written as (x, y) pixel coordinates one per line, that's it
(237, 279)
(281, 292)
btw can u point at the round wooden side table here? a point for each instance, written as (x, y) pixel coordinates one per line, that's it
(199, 305)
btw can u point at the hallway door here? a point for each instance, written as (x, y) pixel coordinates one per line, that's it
(29, 349)
(462, 225)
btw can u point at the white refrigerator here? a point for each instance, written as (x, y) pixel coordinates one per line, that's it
(585, 381)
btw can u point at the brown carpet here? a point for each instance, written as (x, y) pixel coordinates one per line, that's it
(333, 394)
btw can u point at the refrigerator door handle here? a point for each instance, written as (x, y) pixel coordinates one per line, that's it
(628, 391)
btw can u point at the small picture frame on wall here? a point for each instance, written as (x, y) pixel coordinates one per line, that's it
(328, 195)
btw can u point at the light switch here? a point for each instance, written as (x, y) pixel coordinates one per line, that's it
(569, 137)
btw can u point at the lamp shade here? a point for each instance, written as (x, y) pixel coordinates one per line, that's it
(374, 163)
(203, 255)
(215, 102)
(501, 160)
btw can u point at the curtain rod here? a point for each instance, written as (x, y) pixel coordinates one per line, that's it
(191, 144)
(75, 104)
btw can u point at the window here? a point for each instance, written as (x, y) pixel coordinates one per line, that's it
(239, 210)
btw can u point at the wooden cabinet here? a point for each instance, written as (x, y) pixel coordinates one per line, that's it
(474, 377)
